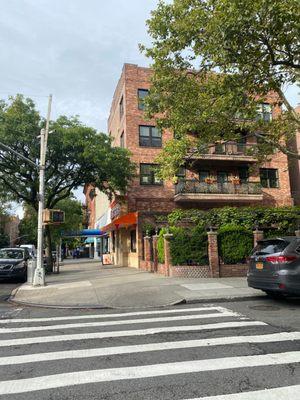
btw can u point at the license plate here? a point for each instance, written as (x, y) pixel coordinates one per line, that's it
(259, 265)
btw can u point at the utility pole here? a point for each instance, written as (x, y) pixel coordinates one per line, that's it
(39, 274)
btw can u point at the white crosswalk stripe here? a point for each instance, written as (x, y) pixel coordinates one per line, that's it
(123, 322)
(114, 315)
(282, 393)
(97, 353)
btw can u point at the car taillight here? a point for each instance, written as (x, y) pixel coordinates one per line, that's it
(280, 259)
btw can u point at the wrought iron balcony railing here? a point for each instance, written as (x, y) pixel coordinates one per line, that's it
(193, 186)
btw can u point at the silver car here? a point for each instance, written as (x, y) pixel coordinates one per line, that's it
(274, 266)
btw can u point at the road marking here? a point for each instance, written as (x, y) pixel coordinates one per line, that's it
(281, 393)
(121, 322)
(138, 332)
(145, 371)
(106, 351)
(102, 316)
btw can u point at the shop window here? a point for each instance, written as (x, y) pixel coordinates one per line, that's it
(149, 136)
(113, 241)
(147, 175)
(133, 241)
(142, 94)
(269, 177)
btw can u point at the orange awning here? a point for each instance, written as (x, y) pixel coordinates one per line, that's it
(121, 222)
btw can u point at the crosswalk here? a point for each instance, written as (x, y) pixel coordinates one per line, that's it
(195, 353)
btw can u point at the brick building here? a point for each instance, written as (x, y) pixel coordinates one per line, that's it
(220, 176)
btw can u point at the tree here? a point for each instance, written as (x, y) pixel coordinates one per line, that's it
(214, 63)
(76, 155)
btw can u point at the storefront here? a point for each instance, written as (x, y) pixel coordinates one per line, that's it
(123, 240)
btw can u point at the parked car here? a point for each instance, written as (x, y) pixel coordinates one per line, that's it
(274, 266)
(31, 249)
(13, 263)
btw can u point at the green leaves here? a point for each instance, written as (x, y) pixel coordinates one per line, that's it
(209, 56)
(76, 155)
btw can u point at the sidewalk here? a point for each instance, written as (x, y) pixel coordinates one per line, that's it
(88, 284)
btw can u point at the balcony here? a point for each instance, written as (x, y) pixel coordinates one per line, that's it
(225, 152)
(195, 191)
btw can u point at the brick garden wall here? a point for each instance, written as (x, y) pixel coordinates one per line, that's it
(236, 270)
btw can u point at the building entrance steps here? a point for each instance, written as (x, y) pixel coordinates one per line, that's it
(87, 284)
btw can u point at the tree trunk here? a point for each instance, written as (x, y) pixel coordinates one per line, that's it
(49, 249)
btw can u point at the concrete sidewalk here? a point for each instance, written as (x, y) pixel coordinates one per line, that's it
(88, 284)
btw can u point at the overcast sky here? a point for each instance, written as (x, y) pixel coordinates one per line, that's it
(73, 49)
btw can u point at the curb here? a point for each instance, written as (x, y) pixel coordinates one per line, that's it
(103, 307)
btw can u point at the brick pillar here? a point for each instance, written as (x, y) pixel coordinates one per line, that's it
(257, 235)
(168, 261)
(155, 253)
(213, 254)
(297, 232)
(147, 251)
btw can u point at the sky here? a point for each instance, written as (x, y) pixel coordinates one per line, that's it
(73, 49)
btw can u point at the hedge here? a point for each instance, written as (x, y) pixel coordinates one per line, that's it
(235, 243)
(189, 246)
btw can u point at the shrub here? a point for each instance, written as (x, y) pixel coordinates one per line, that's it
(235, 243)
(160, 246)
(189, 246)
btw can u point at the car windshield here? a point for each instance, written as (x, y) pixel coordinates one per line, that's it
(11, 253)
(270, 246)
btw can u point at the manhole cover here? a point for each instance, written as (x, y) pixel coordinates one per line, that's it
(263, 307)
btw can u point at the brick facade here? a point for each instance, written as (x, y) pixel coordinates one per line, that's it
(150, 200)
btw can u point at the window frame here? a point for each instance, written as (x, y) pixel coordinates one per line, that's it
(267, 178)
(150, 175)
(122, 140)
(121, 107)
(133, 241)
(150, 137)
(141, 104)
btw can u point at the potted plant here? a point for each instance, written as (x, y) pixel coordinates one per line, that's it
(235, 180)
(209, 180)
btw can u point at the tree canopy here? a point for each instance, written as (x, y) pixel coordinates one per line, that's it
(214, 63)
(76, 155)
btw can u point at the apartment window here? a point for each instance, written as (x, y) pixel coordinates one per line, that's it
(133, 241)
(181, 173)
(147, 175)
(222, 177)
(121, 107)
(244, 174)
(122, 140)
(203, 175)
(150, 136)
(142, 94)
(264, 112)
(269, 178)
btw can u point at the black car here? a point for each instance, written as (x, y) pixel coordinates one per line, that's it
(274, 266)
(13, 263)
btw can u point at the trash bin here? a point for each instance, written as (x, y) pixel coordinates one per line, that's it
(30, 271)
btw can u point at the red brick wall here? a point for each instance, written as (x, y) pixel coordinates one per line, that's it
(236, 270)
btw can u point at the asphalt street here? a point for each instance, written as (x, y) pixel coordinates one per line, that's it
(247, 350)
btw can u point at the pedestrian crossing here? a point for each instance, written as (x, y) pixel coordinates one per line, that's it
(179, 353)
